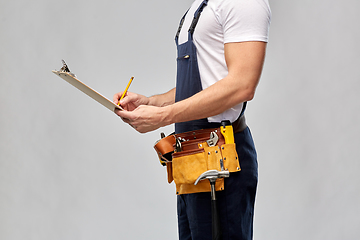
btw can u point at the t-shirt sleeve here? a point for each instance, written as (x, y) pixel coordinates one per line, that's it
(244, 20)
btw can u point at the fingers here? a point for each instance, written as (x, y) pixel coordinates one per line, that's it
(117, 111)
(117, 97)
(126, 116)
(127, 119)
(127, 98)
(142, 118)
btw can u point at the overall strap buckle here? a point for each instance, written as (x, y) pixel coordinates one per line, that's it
(197, 16)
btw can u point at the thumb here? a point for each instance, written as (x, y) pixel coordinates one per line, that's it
(117, 97)
(127, 99)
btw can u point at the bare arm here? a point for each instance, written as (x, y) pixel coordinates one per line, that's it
(164, 99)
(244, 61)
(133, 100)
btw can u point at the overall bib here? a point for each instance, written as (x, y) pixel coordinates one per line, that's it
(236, 202)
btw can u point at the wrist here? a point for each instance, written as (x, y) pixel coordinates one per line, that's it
(168, 116)
(152, 101)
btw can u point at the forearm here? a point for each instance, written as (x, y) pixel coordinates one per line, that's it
(245, 62)
(162, 100)
(214, 100)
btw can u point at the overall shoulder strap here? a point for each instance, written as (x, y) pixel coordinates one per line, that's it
(194, 21)
(180, 27)
(197, 16)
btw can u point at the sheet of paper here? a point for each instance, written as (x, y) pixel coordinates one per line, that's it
(87, 90)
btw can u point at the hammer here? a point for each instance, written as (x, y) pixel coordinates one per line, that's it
(212, 175)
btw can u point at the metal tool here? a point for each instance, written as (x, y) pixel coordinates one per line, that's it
(66, 69)
(212, 175)
(213, 139)
(178, 145)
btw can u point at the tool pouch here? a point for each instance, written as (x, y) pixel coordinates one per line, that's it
(195, 157)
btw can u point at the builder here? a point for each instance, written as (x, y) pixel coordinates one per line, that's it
(221, 49)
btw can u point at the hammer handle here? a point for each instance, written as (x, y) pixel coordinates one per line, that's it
(216, 229)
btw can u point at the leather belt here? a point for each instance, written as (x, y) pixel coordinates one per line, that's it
(165, 146)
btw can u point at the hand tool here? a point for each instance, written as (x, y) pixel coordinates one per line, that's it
(213, 139)
(212, 175)
(178, 145)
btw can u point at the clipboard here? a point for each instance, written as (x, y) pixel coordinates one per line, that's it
(69, 77)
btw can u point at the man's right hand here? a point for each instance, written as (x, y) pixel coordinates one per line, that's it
(143, 113)
(131, 100)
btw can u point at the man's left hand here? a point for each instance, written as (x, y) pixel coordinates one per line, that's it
(144, 118)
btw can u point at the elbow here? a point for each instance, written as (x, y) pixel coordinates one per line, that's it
(247, 89)
(244, 96)
(249, 94)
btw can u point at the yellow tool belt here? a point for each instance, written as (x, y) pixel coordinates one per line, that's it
(188, 155)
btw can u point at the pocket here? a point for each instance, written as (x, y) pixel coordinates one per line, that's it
(188, 167)
(230, 157)
(186, 56)
(213, 158)
(194, 144)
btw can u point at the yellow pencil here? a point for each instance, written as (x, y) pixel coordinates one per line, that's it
(126, 89)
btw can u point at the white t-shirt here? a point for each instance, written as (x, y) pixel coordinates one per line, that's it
(224, 21)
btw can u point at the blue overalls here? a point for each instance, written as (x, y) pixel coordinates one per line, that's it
(236, 202)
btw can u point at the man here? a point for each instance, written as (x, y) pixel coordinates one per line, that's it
(220, 59)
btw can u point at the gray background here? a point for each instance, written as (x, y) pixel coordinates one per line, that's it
(70, 169)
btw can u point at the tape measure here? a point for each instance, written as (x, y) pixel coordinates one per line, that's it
(227, 131)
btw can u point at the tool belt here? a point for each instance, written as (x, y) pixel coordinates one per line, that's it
(187, 155)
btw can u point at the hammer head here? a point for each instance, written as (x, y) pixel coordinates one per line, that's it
(212, 175)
